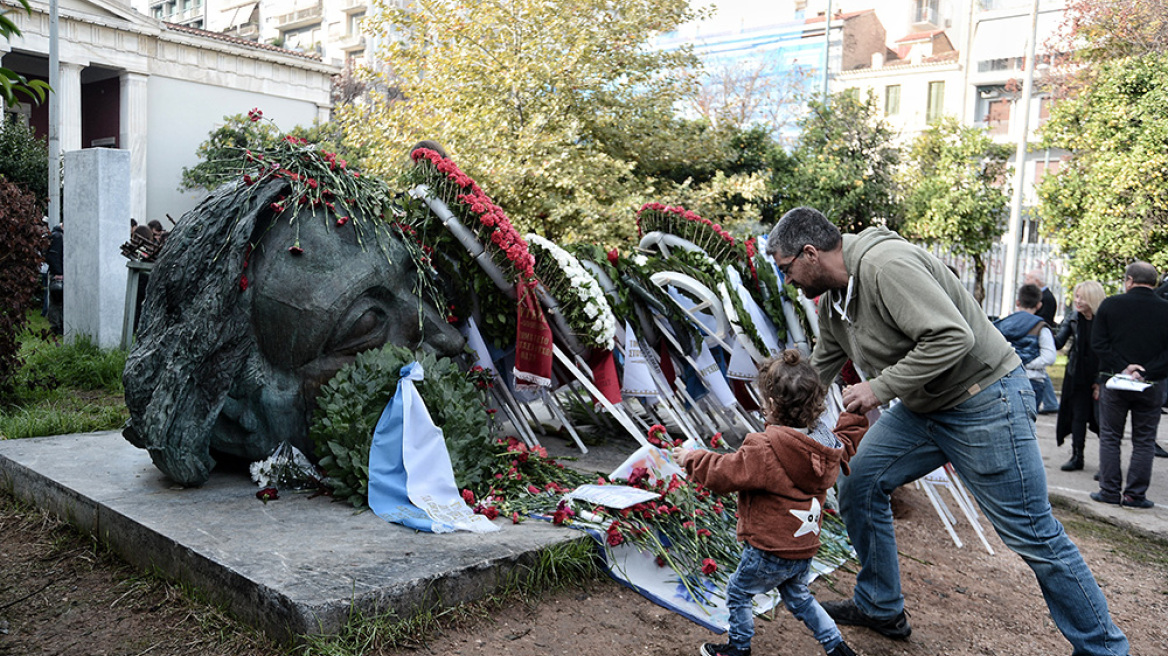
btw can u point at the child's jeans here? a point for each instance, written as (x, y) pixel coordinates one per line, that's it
(760, 572)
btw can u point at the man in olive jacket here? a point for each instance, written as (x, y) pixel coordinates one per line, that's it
(917, 335)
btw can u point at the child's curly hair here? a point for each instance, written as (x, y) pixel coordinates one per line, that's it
(791, 391)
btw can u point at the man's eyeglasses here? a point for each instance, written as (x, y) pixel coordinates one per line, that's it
(786, 268)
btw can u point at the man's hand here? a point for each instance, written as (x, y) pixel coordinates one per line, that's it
(859, 398)
(1135, 371)
(680, 453)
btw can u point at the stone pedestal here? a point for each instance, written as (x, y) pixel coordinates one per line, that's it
(96, 203)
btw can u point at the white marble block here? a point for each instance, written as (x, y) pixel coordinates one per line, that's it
(96, 205)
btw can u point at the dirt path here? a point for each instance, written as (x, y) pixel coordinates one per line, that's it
(62, 594)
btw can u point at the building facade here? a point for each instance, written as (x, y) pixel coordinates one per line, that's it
(156, 89)
(328, 28)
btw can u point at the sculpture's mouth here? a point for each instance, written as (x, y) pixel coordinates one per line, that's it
(235, 427)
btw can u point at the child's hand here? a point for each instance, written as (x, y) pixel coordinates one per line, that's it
(680, 453)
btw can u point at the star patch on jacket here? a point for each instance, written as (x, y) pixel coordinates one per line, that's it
(810, 519)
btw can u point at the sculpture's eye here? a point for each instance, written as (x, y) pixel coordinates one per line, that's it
(365, 332)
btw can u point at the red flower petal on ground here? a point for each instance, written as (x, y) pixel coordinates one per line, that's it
(243, 283)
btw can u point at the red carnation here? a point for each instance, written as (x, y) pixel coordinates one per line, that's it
(515, 518)
(468, 497)
(296, 250)
(709, 566)
(255, 114)
(268, 494)
(491, 512)
(243, 283)
(613, 255)
(614, 536)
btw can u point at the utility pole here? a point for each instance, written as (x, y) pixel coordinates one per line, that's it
(1010, 281)
(54, 119)
(826, 49)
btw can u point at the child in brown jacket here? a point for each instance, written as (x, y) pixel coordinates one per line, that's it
(782, 476)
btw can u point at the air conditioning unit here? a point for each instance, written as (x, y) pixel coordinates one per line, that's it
(989, 94)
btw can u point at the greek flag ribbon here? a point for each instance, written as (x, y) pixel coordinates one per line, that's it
(411, 480)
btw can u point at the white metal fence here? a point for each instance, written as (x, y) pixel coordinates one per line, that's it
(1043, 256)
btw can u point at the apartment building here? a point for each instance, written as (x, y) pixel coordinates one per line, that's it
(328, 28)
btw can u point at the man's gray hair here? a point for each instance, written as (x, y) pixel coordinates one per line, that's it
(800, 227)
(1141, 273)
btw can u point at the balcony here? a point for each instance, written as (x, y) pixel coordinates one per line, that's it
(300, 18)
(249, 31)
(355, 6)
(350, 42)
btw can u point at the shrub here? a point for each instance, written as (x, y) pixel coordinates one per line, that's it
(25, 161)
(25, 244)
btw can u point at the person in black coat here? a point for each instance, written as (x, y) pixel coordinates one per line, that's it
(1080, 390)
(1131, 338)
(55, 258)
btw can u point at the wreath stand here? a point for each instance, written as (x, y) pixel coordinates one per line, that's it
(478, 253)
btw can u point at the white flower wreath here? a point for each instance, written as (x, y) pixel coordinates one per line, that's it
(589, 313)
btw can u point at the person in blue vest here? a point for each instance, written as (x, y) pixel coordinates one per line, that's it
(1031, 338)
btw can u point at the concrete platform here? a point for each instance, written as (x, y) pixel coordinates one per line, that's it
(297, 565)
(292, 566)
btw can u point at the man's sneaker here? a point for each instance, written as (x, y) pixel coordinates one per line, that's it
(1131, 502)
(842, 649)
(1102, 498)
(710, 649)
(1159, 451)
(845, 612)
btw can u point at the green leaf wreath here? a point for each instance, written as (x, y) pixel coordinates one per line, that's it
(351, 402)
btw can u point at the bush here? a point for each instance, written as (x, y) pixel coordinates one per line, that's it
(25, 161)
(25, 244)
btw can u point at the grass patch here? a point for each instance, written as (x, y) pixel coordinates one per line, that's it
(1139, 546)
(63, 388)
(567, 565)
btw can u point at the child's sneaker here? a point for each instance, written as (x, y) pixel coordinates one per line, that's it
(710, 649)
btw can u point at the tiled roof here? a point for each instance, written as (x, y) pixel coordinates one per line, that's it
(219, 36)
(840, 16)
(920, 36)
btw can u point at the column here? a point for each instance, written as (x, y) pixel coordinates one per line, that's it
(69, 95)
(132, 137)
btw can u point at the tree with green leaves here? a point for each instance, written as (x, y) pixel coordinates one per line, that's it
(224, 150)
(12, 84)
(1108, 205)
(538, 100)
(953, 195)
(844, 164)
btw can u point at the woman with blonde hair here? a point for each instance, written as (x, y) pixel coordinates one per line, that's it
(1080, 390)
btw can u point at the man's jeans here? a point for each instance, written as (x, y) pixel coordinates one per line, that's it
(991, 442)
(760, 572)
(1114, 407)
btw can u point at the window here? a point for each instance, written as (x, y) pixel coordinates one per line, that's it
(1041, 168)
(936, 101)
(925, 11)
(892, 100)
(998, 116)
